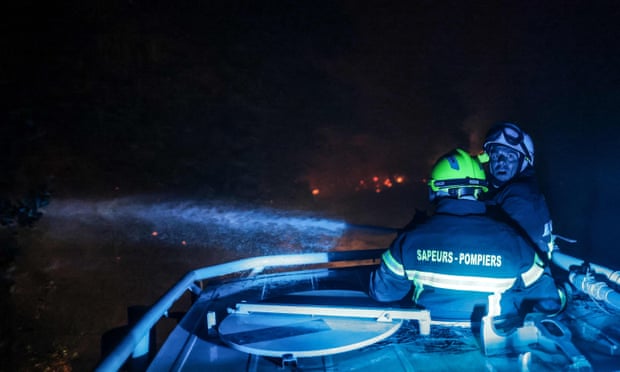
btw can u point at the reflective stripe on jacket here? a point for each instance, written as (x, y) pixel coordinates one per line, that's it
(464, 282)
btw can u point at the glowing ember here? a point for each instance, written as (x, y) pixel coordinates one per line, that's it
(378, 183)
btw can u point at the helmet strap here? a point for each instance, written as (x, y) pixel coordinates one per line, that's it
(523, 164)
(458, 193)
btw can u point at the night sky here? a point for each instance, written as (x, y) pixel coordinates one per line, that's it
(264, 100)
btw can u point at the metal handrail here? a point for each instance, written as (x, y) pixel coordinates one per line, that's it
(119, 355)
(566, 262)
(586, 283)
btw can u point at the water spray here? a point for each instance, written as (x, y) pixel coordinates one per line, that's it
(204, 223)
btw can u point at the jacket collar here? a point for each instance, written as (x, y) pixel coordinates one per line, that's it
(460, 207)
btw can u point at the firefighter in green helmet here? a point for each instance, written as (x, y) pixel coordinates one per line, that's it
(457, 258)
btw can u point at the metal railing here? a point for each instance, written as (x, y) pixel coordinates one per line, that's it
(137, 337)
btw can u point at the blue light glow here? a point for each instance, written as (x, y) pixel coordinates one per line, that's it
(254, 230)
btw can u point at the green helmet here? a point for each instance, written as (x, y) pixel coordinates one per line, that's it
(457, 174)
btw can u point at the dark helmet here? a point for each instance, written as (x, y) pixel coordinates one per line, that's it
(457, 174)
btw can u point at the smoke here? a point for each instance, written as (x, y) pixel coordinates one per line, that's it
(347, 163)
(475, 126)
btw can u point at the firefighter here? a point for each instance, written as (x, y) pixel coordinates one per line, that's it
(514, 193)
(457, 258)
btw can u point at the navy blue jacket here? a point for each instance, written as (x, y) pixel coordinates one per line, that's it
(522, 203)
(456, 259)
